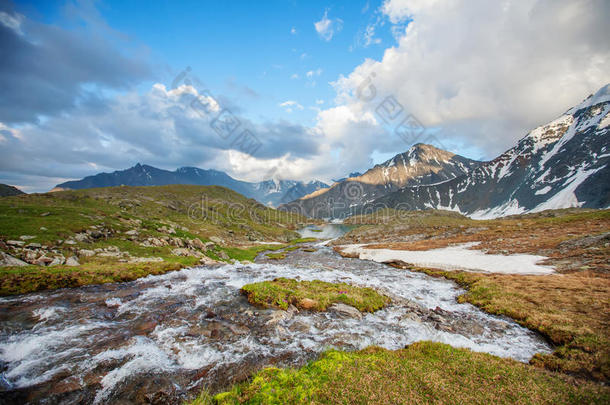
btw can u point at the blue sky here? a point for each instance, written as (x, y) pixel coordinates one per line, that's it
(87, 85)
(257, 53)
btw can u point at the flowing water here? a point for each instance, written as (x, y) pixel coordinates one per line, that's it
(161, 338)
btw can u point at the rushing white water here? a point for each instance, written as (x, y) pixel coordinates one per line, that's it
(161, 324)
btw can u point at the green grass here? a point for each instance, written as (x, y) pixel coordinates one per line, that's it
(283, 292)
(193, 211)
(570, 310)
(421, 373)
(22, 280)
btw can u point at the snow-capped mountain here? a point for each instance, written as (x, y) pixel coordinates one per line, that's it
(558, 165)
(421, 164)
(268, 192)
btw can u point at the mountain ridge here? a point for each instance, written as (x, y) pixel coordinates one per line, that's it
(561, 164)
(268, 192)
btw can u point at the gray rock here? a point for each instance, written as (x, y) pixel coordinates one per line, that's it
(42, 228)
(133, 232)
(8, 260)
(345, 311)
(57, 260)
(69, 242)
(207, 261)
(216, 239)
(86, 253)
(43, 261)
(181, 252)
(15, 243)
(82, 237)
(44, 214)
(26, 237)
(33, 246)
(223, 255)
(277, 317)
(72, 261)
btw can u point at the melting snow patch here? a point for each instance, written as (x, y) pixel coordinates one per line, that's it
(458, 257)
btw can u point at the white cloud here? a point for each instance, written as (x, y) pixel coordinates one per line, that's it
(293, 31)
(319, 102)
(12, 21)
(486, 71)
(294, 76)
(313, 73)
(368, 38)
(291, 105)
(327, 27)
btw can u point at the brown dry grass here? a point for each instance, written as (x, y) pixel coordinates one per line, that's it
(572, 308)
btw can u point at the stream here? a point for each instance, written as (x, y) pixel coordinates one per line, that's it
(160, 339)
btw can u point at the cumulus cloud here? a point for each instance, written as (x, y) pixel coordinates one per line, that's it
(327, 28)
(486, 72)
(165, 128)
(46, 70)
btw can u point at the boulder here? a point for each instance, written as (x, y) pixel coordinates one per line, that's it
(57, 260)
(26, 237)
(223, 255)
(197, 244)
(277, 317)
(72, 261)
(33, 246)
(181, 252)
(216, 239)
(345, 311)
(15, 243)
(207, 261)
(133, 232)
(307, 303)
(69, 242)
(8, 260)
(43, 261)
(86, 253)
(82, 237)
(209, 245)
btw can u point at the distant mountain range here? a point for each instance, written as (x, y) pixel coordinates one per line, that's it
(558, 165)
(268, 192)
(7, 191)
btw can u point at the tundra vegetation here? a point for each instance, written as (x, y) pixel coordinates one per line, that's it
(570, 308)
(74, 238)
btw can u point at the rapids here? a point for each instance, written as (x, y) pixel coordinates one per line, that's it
(161, 338)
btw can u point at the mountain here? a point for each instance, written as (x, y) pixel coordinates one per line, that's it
(269, 192)
(561, 164)
(420, 165)
(558, 165)
(7, 191)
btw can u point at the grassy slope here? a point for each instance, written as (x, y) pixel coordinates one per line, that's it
(571, 309)
(282, 292)
(228, 215)
(424, 372)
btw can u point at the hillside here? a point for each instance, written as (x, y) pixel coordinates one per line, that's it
(7, 191)
(127, 232)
